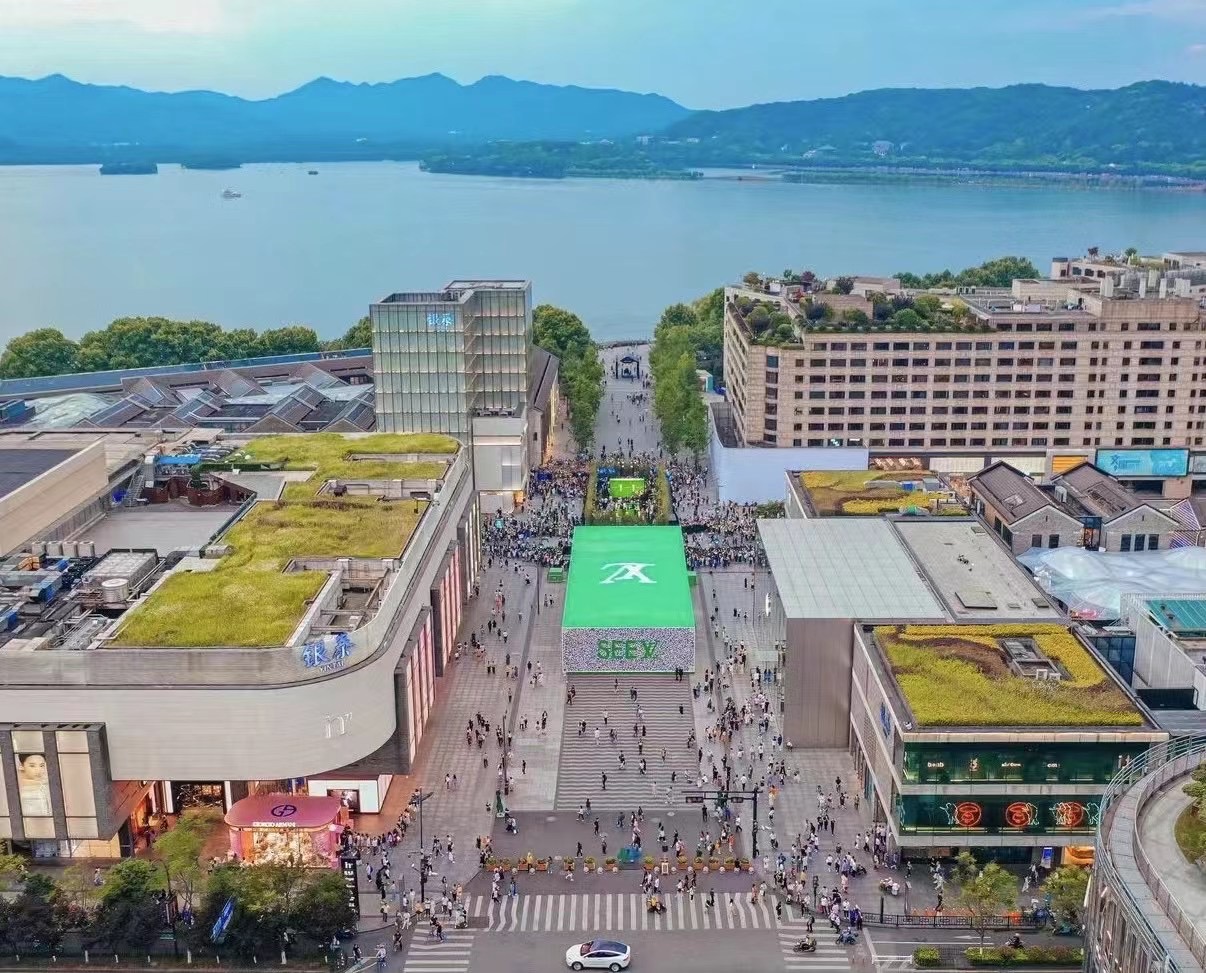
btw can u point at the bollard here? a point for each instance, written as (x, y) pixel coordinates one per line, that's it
(85, 957)
(188, 957)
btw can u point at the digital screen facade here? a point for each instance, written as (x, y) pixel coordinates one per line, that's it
(628, 603)
(1144, 462)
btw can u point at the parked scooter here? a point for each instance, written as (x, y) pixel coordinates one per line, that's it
(806, 945)
(847, 937)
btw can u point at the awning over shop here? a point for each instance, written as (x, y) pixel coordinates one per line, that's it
(284, 811)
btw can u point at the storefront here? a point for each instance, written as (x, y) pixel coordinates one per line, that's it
(280, 829)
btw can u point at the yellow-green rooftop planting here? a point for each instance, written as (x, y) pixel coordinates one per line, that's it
(956, 675)
(846, 491)
(248, 600)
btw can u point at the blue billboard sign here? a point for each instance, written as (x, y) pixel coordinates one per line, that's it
(1144, 462)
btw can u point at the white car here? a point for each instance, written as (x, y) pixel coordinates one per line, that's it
(599, 954)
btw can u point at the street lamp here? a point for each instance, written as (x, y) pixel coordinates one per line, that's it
(418, 799)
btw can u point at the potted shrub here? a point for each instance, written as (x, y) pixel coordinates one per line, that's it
(611, 864)
(699, 863)
(542, 864)
(730, 862)
(589, 863)
(744, 865)
(682, 861)
(522, 864)
(713, 863)
(648, 863)
(505, 864)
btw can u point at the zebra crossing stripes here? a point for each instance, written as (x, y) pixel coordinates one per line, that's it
(828, 957)
(426, 955)
(604, 912)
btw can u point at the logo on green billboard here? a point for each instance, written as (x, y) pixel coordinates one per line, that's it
(626, 571)
(628, 649)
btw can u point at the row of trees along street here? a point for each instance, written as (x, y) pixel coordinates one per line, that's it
(171, 900)
(580, 374)
(985, 892)
(147, 342)
(688, 337)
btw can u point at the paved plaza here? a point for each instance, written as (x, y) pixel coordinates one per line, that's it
(557, 765)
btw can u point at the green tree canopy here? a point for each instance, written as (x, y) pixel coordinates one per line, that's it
(42, 352)
(131, 912)
(982, 892)
(1000, 272)
(1067, 887)
(359, 335)
(581, 371)
(289, 340)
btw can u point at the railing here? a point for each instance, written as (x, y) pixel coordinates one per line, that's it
(1139, 780)
(1019, 923)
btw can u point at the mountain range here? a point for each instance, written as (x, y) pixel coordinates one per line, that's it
(55, 116)
(1148, 127)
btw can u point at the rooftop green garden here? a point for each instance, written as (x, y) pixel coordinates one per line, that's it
(900, 314)
(248, 600)
(957, 675)
(848, 493)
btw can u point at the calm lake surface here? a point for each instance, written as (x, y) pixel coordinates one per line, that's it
(78, 249)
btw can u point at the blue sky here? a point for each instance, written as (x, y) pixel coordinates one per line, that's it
(703, 53)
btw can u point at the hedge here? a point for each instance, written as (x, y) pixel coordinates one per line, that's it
(926, 956)
(1030, 956)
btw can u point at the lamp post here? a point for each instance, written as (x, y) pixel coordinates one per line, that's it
(418, 799)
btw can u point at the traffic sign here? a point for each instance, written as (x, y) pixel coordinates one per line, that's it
(736, 798)
(694, 798)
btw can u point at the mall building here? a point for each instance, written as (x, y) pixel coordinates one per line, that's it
(977, 718)
(137, 680)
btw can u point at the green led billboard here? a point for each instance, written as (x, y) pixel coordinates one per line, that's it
(628, 604)
(626, 486)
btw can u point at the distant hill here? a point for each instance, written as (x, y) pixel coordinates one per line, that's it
(56, 119)
(1148, 124)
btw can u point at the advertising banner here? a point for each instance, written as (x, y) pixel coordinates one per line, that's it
(628, 604)
(1144, 462)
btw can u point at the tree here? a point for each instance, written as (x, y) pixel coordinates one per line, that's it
(843, 285)
(42, 352)
(677, 316)
(36, 918)
(559, 331)
(178, 853)
(855, 317)
(131, 910)
(359, 335)
(288, 340)
(907, 320)
(1066, 887)
(321, 909)
(982, 892)
(1000, 272)
(753, 281)
(581, 371)
(1196, 788)
(12, 869)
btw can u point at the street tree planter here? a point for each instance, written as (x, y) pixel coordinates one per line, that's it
(542, 864)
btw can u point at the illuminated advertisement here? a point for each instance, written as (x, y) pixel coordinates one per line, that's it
(33, 785)
(1144, 462)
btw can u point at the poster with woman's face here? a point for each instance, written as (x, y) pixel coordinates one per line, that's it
(33, 784)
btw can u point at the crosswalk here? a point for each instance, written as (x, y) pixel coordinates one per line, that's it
(828, 957)
(426, 955)
(603, 912)
(583, 761)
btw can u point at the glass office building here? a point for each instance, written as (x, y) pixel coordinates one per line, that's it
(443, 357)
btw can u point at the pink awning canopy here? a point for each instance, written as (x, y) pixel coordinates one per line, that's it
(284, 811)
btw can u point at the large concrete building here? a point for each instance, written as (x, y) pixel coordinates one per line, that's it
(1090, 366)
(460, 361)
(109, 719)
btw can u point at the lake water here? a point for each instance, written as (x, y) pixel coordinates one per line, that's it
(78, 249)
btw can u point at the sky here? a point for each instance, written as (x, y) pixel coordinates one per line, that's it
(702, 53)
